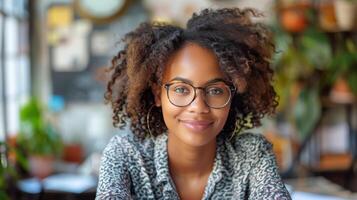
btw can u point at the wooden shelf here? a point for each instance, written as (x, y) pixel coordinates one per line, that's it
(333, 162)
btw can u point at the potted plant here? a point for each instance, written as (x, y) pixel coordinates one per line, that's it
(298, 65)
(343, 73)
(8, 169)
(294, 16)
(38, 138)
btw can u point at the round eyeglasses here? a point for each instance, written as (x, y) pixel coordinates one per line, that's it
(216, 95)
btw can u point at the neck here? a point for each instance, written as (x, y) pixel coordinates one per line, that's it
(189, 161)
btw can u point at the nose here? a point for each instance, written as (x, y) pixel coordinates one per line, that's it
(198, 105)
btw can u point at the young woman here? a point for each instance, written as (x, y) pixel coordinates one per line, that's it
(188, 94)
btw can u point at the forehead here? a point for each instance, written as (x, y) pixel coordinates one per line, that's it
(193, 62)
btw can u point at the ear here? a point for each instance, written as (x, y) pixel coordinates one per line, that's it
(156, 90)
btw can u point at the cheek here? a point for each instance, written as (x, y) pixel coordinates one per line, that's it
(221, 115)
(169, 111)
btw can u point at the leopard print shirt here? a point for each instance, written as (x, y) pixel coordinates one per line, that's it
(244, 168)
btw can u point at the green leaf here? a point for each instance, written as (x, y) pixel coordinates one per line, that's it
(37, 136)
(352, 81)
(316, 48)
(3, 195)
(307, 111)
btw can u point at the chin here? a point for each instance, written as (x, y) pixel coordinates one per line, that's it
(197, 139)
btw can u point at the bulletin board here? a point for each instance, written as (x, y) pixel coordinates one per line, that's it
(76, 70)
(80, 50)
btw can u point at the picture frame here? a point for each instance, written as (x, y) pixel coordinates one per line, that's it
(101, 11)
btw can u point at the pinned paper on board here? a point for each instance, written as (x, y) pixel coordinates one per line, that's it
(59, 16)
(71, 52)
(101, 43)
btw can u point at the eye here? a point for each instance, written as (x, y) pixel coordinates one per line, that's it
(181, 90)
(214, 91)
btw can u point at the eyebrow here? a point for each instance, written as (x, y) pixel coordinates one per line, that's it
(190, 82)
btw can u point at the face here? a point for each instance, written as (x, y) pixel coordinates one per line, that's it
(195, 124)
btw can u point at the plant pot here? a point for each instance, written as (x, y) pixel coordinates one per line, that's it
(41, 166)
(73, 153)
(327, 16)
(341, 92)
(345, 14)
(293, 21)
(293, 18)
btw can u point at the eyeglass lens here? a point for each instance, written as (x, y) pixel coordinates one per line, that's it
(182, 94)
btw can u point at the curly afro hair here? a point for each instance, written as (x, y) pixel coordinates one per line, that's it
(243, 49)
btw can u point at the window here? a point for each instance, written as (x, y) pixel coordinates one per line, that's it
(14, 63)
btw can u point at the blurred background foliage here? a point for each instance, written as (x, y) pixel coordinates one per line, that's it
(310, 60)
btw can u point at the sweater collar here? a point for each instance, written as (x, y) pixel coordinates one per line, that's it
(163, 175)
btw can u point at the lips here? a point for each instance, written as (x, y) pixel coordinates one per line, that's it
(196, 125)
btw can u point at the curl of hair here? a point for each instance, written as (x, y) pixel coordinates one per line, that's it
(243, 50)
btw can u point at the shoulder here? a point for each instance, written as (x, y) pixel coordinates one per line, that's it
(251, 143)
(114, 178)
(117, 143)
(127, 144)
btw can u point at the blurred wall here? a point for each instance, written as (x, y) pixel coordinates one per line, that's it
(85, 121)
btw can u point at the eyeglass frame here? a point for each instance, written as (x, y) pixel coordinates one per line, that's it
(231, 87)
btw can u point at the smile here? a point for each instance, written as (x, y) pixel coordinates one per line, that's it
(196, 125)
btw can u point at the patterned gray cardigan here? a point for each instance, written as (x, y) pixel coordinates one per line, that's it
(244, 168)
